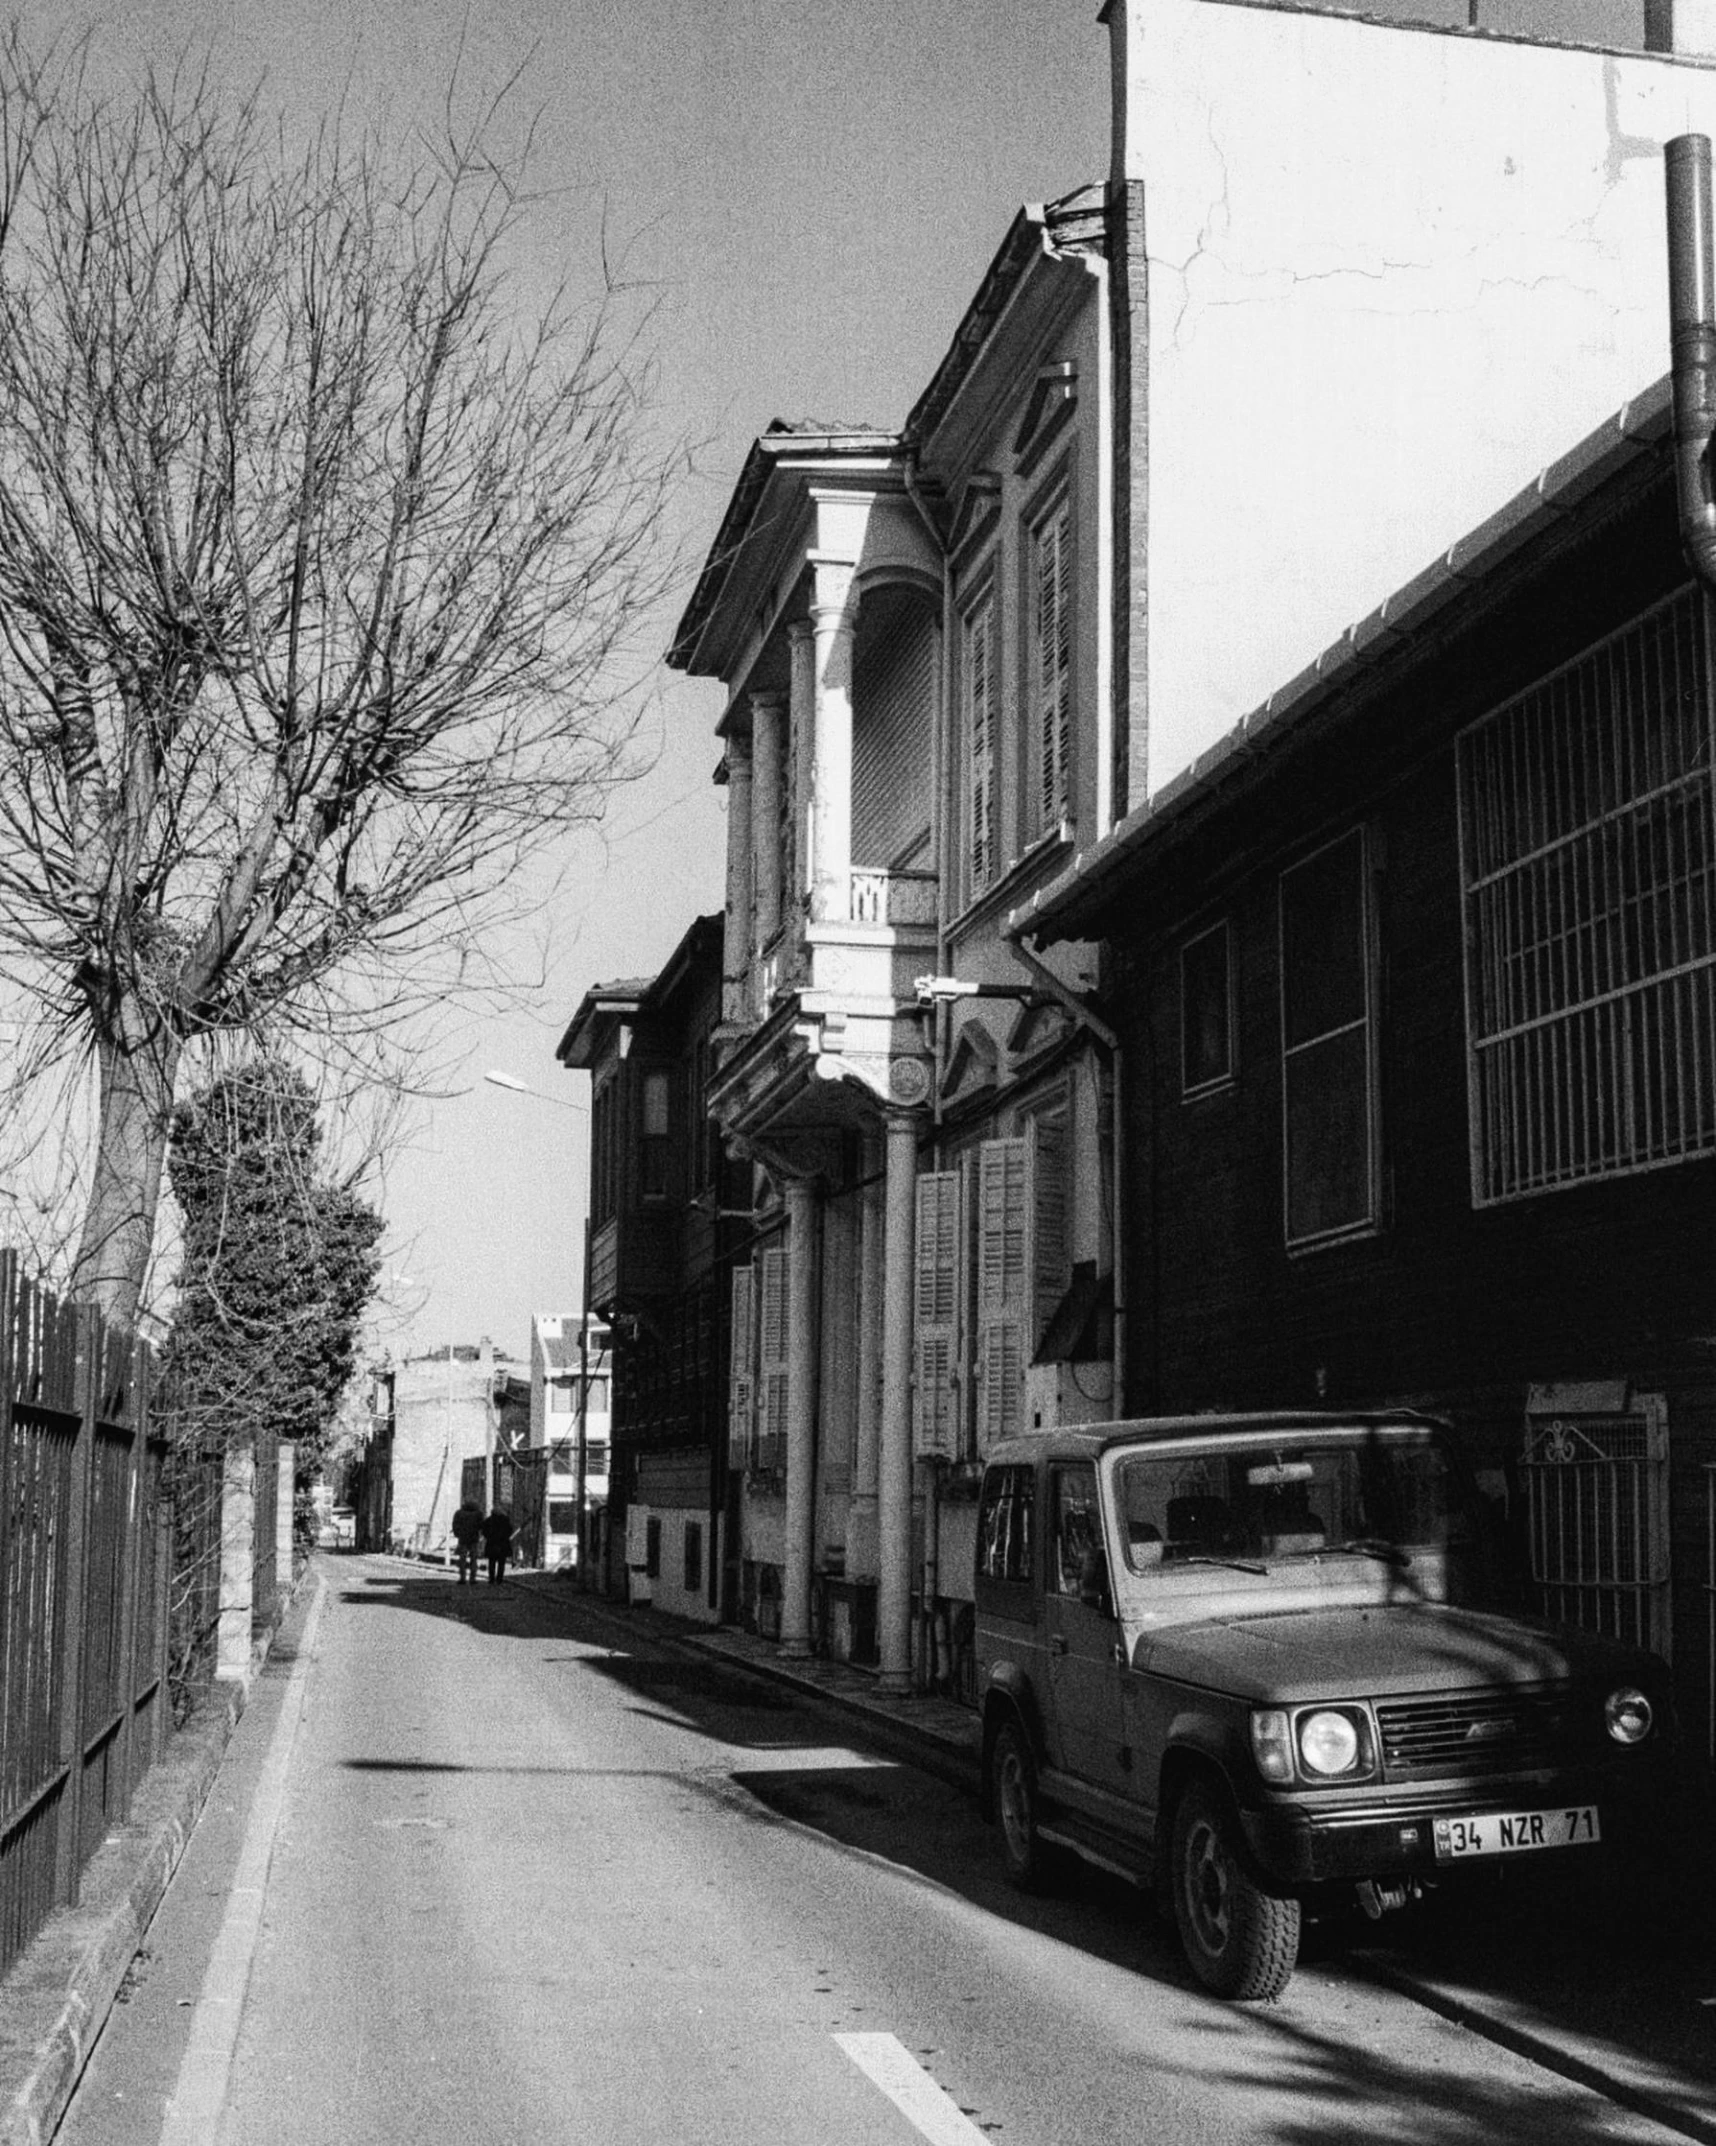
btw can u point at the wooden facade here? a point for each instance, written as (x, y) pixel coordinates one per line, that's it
(1324, 1199)
(662, 1201)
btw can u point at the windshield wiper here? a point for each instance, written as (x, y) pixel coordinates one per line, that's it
(1233, 1564)
(1389, 1553)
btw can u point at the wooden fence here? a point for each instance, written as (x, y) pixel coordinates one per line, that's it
(84, 1558)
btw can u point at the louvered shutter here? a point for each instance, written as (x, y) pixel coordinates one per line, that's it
(742, 1377)
(1054, 667)
(772, 1359)
(936, 1409)
(980, 723)
(1050, 1221)
(1003, 1187)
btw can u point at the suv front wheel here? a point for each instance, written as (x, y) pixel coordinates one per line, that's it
(1240, 1939)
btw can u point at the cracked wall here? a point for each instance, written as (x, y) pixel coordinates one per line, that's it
(1392, 275)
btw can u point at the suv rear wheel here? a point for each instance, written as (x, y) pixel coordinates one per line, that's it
(1240, 1939)
(1013, 1772)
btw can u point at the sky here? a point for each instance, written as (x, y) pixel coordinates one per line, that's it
(811, 190)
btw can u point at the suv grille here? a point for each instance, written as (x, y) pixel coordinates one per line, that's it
(1486, 1732)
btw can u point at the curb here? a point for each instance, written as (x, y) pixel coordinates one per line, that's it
(917, 1742)
(57, 1998)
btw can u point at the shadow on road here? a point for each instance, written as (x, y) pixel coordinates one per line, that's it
(1605, 1966)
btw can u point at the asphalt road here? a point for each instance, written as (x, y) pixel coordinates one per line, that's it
(482, 1866)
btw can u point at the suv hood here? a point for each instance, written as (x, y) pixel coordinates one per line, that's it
(1361, 1652)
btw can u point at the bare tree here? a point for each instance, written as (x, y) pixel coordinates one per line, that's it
(319, 560)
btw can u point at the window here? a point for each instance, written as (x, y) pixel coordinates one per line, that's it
(1588, 863)
(655, 1145)
(993, 1269)
(979, 708)
(1328, 1100)
(1004, 1526)
(652, 1547)
(1049, 675)
(693, 1556)
(596, 1395)
(596, 1457)
(1074, 1532)
(1206, 1013)
(562, 1516)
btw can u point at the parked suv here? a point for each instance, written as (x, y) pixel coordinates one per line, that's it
(1244, 1658)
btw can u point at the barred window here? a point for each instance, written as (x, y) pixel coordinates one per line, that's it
(1589, 873)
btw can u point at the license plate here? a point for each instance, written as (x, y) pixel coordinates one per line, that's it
(1508, 1832)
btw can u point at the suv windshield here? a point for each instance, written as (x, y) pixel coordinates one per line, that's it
(1376, 1491)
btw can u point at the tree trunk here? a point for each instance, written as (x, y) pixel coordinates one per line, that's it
(119, 1228)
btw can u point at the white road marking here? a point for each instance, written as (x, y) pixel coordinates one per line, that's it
(199, 2093)
(886, 2062)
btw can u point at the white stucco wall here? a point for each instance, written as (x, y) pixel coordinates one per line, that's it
(1393, 274)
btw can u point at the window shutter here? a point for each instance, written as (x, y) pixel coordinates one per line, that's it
(772, 1359)
(1050, 1221)
(936, 1410)
(1003, 1184)
(742, 1377)
(1054, 667)
(980, 687)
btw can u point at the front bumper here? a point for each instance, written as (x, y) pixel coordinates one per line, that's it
(1375, 1834)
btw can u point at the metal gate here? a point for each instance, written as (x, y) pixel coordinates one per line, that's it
(1710, 1606)
(1596, 1484)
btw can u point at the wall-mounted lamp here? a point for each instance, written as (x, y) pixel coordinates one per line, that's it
(518, 1087)
(944, 990)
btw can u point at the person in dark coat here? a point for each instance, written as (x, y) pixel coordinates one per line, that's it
(497, 1540)
(467, 1533)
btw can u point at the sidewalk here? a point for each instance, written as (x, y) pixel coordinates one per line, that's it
(1641, 2030)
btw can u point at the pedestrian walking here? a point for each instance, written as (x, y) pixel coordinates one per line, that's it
(467, 1533)
(497, 1540)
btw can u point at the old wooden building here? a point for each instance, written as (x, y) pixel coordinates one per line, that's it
(1414, 978)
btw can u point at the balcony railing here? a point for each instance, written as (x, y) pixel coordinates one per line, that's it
(883, 897)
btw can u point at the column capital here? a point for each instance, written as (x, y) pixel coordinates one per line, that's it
(769, 698)
(799, 631)
(831, 604)
(738, 753)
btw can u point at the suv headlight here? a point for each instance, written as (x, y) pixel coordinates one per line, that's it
(1329, 1743)
(1628, 1714)
(1312, 1743)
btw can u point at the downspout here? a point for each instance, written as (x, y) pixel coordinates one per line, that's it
(1082, 1012)
(1692, 337)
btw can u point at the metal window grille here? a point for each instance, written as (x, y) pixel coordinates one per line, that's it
(1588, 860)
(1596, 1510)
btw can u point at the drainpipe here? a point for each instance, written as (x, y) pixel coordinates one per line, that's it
(1692, 332)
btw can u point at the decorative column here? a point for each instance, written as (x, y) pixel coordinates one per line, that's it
(767, 713)
(872, 1273)
(736, 937)
(801, 721)
(834, 619)
(802, 1206)
(894, 1484)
